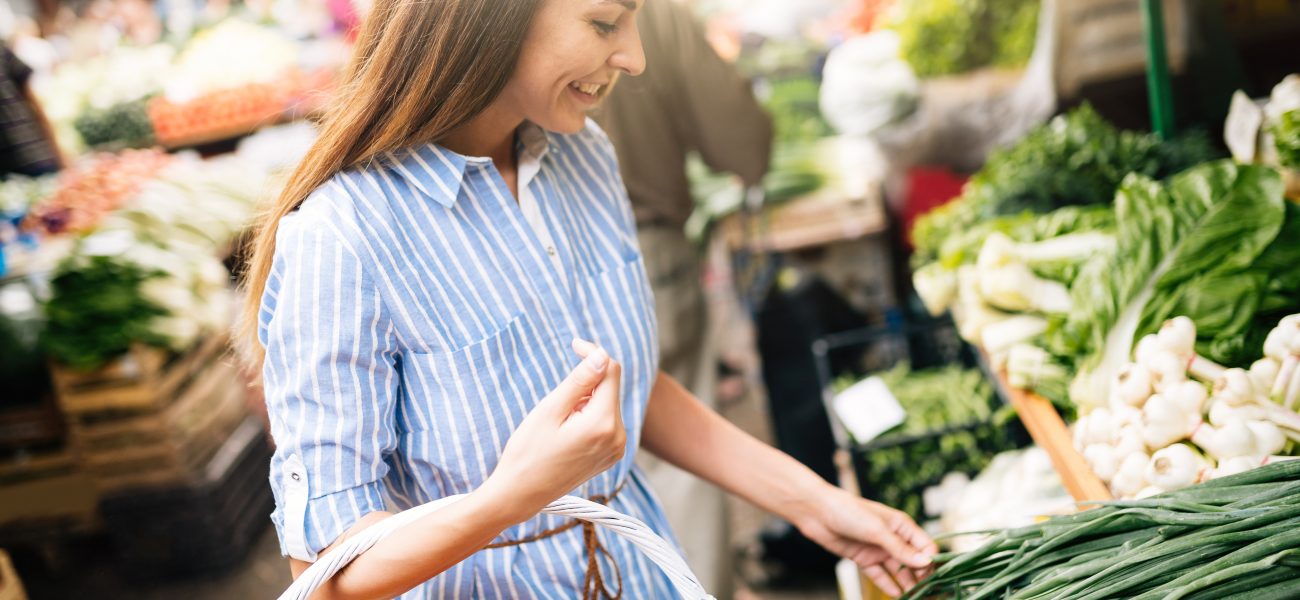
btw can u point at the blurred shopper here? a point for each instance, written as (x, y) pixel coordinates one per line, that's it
(688, 100)
(27, 145)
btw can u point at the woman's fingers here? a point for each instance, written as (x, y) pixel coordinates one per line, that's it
(901, 574)
(605, 398)
(582, 381)
(583, 347)
(882, 580)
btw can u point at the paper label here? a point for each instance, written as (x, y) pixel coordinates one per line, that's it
(868, 409)
(1241, 131)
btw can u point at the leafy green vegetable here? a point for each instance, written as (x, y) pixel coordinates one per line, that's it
(95, 311)
(933, 399)
(1204, 225)
(1235, 306)
(125, 125)
(944, 37)
(1075, 159)
(1286, 136)
(951, 426)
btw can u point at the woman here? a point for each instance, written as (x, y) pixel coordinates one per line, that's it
(421, 292)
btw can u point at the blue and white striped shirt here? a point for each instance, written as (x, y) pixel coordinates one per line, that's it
(412, 318)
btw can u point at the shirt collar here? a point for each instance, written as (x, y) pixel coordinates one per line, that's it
(438, 172)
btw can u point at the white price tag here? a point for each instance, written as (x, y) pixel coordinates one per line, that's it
(1241, 131)
(868, 409)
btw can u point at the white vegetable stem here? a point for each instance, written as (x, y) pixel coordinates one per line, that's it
(1074, 246)
(1007, 282)
(1239, 438)
(1001, 336)
(1028, 364)
(1237, 388)
(937, 287)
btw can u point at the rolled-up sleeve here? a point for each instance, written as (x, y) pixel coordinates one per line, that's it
(330, 381)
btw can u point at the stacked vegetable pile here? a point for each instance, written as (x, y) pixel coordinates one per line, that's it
(1235, 538)
(1164, 429)
(151, 272)
(946, 37)
(1009, 257)
(95, 187)
(952, 425)
(233, 77)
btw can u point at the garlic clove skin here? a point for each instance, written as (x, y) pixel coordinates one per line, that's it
(1178, 336)
(1103, 461)
(1175, 467)
(1268, 437)
(1131, 476)
(1129, 441)
(1190, 396)
(1233, 466)
(1235, 387)
(1164, 423)
(1132, 385)
(1264, 373)
(1167, 370)
(1146, 348)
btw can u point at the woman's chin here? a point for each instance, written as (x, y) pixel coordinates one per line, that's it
(568, 123)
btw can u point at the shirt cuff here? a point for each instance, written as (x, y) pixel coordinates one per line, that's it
(306, 525)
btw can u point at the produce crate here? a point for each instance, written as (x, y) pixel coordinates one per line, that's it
(165, 446)
(44, 492)
(896, 469)
(145, 378)
(11, 588)
(199, 528)
(31, 427)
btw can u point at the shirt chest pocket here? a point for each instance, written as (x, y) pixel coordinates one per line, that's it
(618, 310)
(457, 409)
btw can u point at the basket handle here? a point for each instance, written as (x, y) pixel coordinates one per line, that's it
(636, 532)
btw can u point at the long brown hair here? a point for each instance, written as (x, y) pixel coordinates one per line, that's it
(420, 69)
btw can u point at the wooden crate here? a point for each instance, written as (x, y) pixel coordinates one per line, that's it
(1050, 433)
(163, 446)
(43, 490)
(11, 588)
(145, 378)
(36, 426)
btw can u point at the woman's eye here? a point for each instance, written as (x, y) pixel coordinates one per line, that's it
(605, 28)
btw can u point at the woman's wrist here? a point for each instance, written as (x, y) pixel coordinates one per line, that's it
(804, 499)
(508, 506)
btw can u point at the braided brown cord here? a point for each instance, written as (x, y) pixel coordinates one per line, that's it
(593, 584)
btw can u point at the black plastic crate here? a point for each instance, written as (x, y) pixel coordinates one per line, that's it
(199, 529)
(927, 457)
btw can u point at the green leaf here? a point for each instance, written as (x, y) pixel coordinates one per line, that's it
(1220, 274)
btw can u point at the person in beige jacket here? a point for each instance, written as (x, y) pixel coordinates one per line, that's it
(688, 100)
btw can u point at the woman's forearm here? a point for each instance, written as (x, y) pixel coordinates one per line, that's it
(684, 432)
(417, 553)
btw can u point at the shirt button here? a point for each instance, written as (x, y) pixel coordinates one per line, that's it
(550, 250)
(295, 476)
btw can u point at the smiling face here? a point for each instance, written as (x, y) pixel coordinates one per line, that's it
(573, 53)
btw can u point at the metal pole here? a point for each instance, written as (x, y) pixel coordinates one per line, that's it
(1158, 88)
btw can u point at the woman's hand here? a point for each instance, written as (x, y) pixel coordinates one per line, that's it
(885, 543)
(575, 433)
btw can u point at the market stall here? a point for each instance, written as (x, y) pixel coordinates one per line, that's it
(116, 295)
